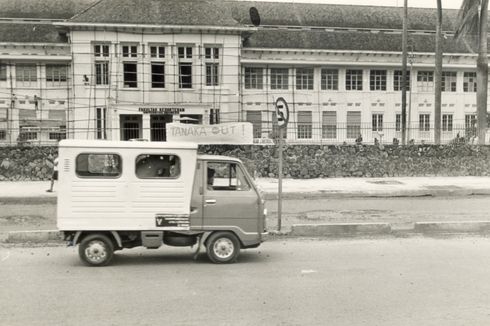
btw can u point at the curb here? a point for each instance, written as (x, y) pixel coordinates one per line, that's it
(339, 230)
(452, 227)
(302, 230)
(31, 236)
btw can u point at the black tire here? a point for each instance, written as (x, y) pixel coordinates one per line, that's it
(223, 247)
(96, 250)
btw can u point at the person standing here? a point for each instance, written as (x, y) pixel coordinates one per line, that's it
(54, 176)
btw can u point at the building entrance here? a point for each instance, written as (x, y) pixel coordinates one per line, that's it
(158, 124)
(130, 126)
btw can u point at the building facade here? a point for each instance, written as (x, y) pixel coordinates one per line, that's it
(121, 69)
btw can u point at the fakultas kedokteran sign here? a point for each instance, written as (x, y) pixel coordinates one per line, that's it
(223, 133)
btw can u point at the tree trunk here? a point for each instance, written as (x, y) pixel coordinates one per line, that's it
(482, 75)
(438, 76)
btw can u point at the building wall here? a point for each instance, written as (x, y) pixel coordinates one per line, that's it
(458, 103)
(33, 109)
(141, 100)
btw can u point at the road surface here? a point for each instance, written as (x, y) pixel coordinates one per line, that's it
(42, 216)
(415, 281)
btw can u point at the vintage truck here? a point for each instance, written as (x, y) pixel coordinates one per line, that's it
(121, 194)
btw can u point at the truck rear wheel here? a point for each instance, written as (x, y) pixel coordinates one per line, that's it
(222, 247)
(96, 250)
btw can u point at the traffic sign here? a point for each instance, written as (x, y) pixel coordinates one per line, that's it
(282, 112)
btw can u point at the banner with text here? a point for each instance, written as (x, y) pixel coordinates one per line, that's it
(223, 133)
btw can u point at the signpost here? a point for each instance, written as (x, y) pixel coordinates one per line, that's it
(282, 114)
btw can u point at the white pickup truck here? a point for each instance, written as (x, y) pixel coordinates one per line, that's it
(118, 194)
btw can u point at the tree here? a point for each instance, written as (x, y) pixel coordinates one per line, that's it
(438, 77)
(472, 29)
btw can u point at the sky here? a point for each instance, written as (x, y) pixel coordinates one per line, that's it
(446, 4)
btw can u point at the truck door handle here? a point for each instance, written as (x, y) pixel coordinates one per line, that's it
(211, 201)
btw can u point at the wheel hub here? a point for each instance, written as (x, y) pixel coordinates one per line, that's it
(223, 248)
(96, 251)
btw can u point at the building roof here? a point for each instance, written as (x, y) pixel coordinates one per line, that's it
(158, 12)
(42, 9)
(347, 40)
(341, 16)
(30, 33)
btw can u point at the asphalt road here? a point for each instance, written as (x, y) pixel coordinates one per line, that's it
(416, 281)
(40, 215)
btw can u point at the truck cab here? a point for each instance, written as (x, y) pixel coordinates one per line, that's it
(115, 195)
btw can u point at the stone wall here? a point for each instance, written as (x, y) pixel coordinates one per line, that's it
(300, 161)
(26, 163)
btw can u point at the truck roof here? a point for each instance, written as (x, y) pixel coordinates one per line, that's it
(126, 144)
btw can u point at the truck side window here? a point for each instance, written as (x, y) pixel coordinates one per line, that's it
(157, 166)
(223, 176)
(98, 165)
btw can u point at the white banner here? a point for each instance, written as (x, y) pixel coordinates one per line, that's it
(224, 133)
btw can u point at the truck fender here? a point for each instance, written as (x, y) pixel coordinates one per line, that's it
(114, 234)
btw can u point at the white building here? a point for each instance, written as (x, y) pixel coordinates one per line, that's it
(134, 66)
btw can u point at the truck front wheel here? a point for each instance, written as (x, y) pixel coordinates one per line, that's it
(96, 250)
(222, 247)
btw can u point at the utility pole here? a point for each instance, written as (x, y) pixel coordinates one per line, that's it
(404, 73)
(438, 73)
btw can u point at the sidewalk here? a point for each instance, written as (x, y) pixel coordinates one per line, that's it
(327, 187)
(34, 193)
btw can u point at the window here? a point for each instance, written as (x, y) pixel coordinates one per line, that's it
(279, 78)
(185, 66)
(469, 82)
(304, 78)
(470, 124)
(130, 51)
(377, 80)
(185, 75)
(223, 176)
(330, 79)
(397, 80)
(101, 54)
(353, 124)
(211, 58)
(28, 133)
(101, 50)
(425, 81)
(98, 165)
(101, 73)
(3, 134)
(130, 73)
(26, 74)
(101, 123)
(377, 122)
(56, 75)
(353, 80)
(158, 75)
(253, 78)
(214, 116)
(157, 166)
(212, 74)
(157, 51)
(448, 81)
(447, 122)
(3, 72)
(58, 134)
(185, 52)
(304, 125)
(424, 122)
(329, 124)
(255, 117)
(398, 122)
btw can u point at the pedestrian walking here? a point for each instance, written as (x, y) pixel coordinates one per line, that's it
(54, 176)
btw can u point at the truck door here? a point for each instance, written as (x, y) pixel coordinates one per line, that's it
(229, 198)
